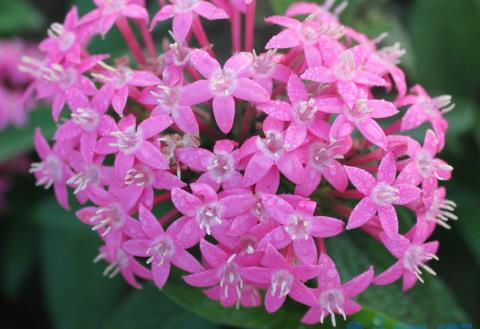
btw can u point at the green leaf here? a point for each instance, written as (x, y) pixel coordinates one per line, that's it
(77, 295)
(19, 16)
(279, 6)
(14, 140)
(149, 309)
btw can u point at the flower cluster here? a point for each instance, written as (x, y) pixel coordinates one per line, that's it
(264, 155)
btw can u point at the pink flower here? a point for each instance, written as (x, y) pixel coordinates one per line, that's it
(412, 257)
(223, 273)
(183, 13)
(108, 12)
(298, 226)
(302, 113)
(380, 195)
(424, 108)
(130, 142)
(282, 278)
(205, 211)
(52, 170)
(332, 297)
(436, 208)
(219, 167)
(162, 248)
(223, 85)
(65, 41)
(322, 160)
(347, 74)
(266, 67)
(360, 115)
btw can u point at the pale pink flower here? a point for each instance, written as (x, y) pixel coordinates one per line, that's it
(332, 297)
(298, 227)
(222, 85)
(436, 208)
(381, 194)
(412, 257)
(266, 67)
(282, 278)
(183, 13)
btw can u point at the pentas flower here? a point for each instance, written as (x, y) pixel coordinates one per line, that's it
(222, 85)
(347, 74)
(259, 195)
(205, 211)
(361, 115)
(130, 142)
(184, 12)
(298, 226)
(413, 256)
(65, 41)
(282, 278)
(162, 248)
(331, 296)
(302, 113)
(381, 194)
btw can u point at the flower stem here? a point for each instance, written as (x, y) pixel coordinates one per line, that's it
(201, 36)
(250, 26)
(236, 26)
(147, 38)
(132, 42)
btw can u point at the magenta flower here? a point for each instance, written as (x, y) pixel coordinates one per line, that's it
(219, 167)
(130, 142)
(380, 195)
(361, 115)
(52, 170)
(423, 167)
(183, 13)
(266, 68)
(322, 160)
(347, 74)
(223, 272)
(282, 278)
(412, 257)
(205, 211)
(223, 85)
(108, 12)
(162, 248)
(302, 113)
(423, 108)
(332, 297)
(165, 98)
(299, 227)
(436, 208)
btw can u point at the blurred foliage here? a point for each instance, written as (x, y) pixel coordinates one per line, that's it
(48, 279)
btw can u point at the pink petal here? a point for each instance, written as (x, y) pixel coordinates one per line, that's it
(235, 205)
(186, 262)
(151, 155)
(358, 284)
(312, 316)
(350, 307)
(250, 91)
(185, 120)
(204, 63)
(154, 125)
(408, 193)
(277, 109)
(319, 74)
(348, 91)
(149, 223)
(414, 117)
(336, 176)
(258, 275)
(273, 303)
(392, 274)
(196, 93)
(290, 166)
(295, 136)
(296, 89)
(164, 13)
(278, 208)
(119, 100)
(160, 274)
(185, 202)
(381, 108)
(388, 219)
(387, 169)
(362, 213)
(210, 11)
(361, 179)
(224, 112)
(302, 294)
(282, 21)
(409, 280)
(213, 255)
(305, 250)
(190, 234)
(369, 79)
(330, 278)
(203, 279)
(257, 167)
(238, 63)
(323, 226)
(285, 39)
(137, 247)
(136, 11)
(273, 259)
(195, 158)
(372, 131)
(182, 22)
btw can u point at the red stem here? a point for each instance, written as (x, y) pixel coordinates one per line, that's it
(148, 39)
(132, 42)
(250, 26)
(201, 36)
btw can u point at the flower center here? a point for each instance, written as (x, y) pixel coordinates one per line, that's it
(359, 112)
(116, 265)
(309, 31)
(305, 111)
(263, 64)
(81, 180)
(161, 250)
(425, 163)
(344, 68)
(415, 258)
(259, 209)
(440, 210)
(108, 218)
(122, 76)
(58, 74)
(384, 194)
(209, 216)
(223, 83)
(140, 176)
(321, 156)
(113, 6)
(249, 244)
(231, 278)
(166, 96)
(281, 283)
(86, 118)
(221, 166)
(332, 301)
(127, 141)
(298, 227)
(184, 5)
(181, 54)
(50, 171)
(65, 39)
(272, 144)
